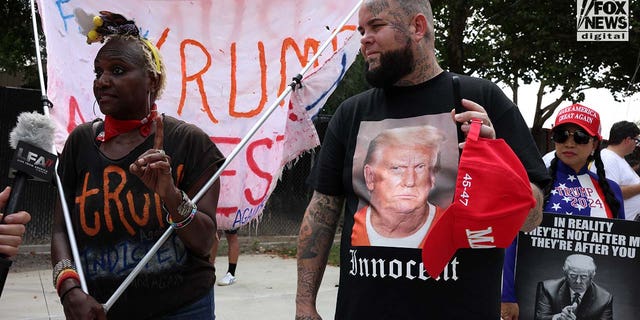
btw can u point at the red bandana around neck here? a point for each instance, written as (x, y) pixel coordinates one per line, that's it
(114, 127)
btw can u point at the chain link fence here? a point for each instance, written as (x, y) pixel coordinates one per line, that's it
(281, 217)
(285, 208)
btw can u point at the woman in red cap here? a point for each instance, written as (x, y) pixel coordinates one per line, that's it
(576, 135)
(574, 189)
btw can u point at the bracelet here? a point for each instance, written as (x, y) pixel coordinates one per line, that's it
(61, 265)
(186, 206)
(183, 223)
(64, 275)
(66, 292)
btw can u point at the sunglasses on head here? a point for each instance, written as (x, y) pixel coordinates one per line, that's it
(579, 136)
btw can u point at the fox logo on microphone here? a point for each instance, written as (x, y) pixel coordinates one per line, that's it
(33, 161)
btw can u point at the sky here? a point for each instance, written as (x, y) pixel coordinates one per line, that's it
(600, 100)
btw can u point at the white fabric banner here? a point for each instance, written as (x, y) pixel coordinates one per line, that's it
(227, 62)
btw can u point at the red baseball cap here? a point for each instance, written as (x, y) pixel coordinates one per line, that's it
(491, 202)
(585, 117)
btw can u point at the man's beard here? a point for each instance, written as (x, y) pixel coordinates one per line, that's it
(393, 66)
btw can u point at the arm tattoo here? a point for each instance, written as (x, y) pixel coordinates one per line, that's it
(535, 215)
(316, 237)
(319, 225)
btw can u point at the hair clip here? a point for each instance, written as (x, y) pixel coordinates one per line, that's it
(97, 27)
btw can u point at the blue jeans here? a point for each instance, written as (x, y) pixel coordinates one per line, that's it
(203, 309)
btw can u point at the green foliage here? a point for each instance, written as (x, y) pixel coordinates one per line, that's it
(507, 41)
(521, 41)
(352, 83)
(334, 255)
(514, 42)
(17, 47)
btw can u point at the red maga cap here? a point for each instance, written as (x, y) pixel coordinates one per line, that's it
(585, 117)
(491, 202)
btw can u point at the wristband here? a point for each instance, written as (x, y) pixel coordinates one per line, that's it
(66, 292)
(183, 223)
(61, 265)
(186, 206)
(64, 275)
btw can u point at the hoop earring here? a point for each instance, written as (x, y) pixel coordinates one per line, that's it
(148, 102)
(94, 108)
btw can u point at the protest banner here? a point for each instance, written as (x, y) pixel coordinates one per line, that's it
(226, 62)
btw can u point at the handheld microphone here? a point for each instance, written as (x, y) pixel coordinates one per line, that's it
(32, 135)
(30, 138)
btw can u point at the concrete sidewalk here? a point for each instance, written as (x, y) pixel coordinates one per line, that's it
(265, 290)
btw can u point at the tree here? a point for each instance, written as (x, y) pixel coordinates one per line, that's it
(17, 48)
(516, 42)
(352, 83)
(506, 41)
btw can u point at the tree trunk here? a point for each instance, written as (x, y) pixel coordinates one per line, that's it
(455, 45)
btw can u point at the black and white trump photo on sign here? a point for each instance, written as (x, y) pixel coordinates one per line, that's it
(574, 267)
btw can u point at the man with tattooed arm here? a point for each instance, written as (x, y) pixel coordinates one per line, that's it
(409, 89)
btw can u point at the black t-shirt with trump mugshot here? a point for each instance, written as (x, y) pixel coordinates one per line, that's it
(390, 282)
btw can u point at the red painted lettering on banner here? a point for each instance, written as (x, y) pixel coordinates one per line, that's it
(226, 140)
(253, 165)
(226, 211)
(74, 110)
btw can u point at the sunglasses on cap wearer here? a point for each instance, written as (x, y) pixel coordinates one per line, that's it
(579, 136)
